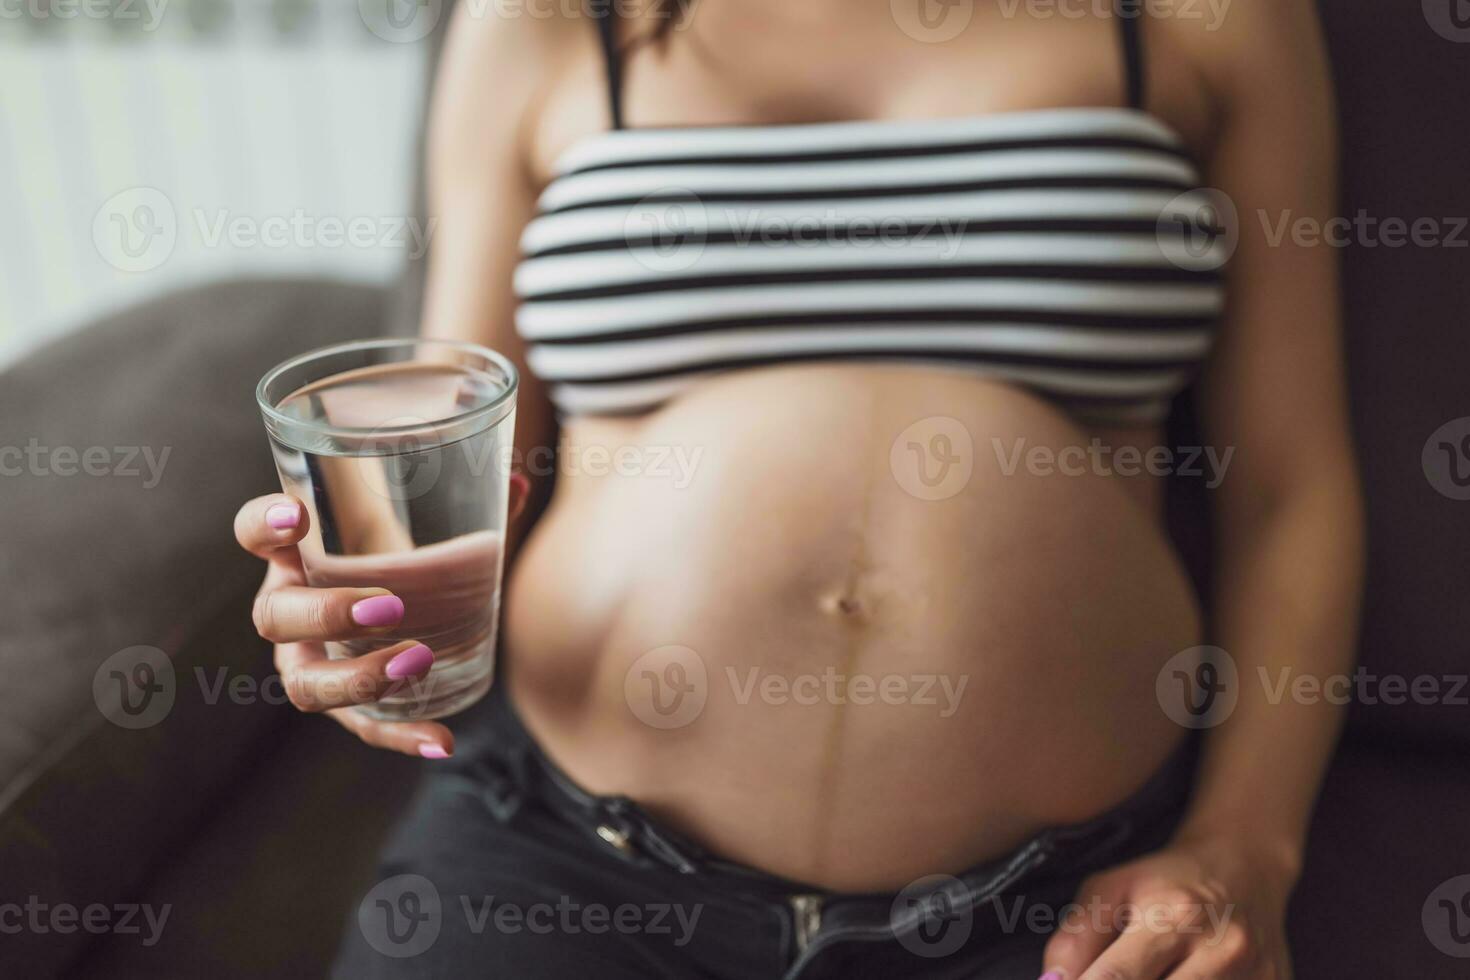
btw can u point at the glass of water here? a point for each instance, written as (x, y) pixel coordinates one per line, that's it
(400, 451)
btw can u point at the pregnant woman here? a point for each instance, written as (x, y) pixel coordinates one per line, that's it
(842, 636)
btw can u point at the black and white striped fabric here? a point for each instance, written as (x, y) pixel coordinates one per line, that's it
(1052, 249)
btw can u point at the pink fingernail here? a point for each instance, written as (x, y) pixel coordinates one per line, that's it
(380, 610)
(431, 751)
(283, 516)
(1053, 975)
(415, 660)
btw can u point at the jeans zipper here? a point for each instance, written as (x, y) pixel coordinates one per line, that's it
(806, 915)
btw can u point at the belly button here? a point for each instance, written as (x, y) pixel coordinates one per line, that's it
(842, 604)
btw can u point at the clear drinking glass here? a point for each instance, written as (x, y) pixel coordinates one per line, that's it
(400, 451)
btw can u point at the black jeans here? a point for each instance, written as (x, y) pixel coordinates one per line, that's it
(505, 868)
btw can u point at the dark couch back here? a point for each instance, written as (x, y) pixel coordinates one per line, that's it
(1401, 88)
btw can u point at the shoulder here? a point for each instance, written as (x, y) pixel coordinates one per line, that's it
(517, 30)
(501, 59)
(1245, 49)
(1261, 69)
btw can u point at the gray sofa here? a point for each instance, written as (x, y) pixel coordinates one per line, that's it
(233, 810)
(257, 827)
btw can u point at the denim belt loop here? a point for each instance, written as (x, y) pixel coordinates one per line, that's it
(497, 787)
(502, 796)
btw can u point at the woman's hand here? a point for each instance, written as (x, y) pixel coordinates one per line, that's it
(300, 620)
(1201, 909)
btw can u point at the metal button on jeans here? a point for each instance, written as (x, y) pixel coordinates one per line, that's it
(616, 838)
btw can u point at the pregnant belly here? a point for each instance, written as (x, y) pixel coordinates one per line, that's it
(828, 622)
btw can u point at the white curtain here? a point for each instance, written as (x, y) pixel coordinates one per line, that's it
(148, 144)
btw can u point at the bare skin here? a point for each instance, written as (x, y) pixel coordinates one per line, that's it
(1028, 603)
(796, 550)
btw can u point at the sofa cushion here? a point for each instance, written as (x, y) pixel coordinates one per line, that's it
(131, 567)
(267, 884)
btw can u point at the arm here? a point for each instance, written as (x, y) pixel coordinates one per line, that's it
(1289, 517)
(481, 195)
(1289, 527)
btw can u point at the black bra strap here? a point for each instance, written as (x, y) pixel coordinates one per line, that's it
(606, 17)
(1130, 15)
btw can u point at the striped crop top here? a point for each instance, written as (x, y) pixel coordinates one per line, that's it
(1046, 248)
